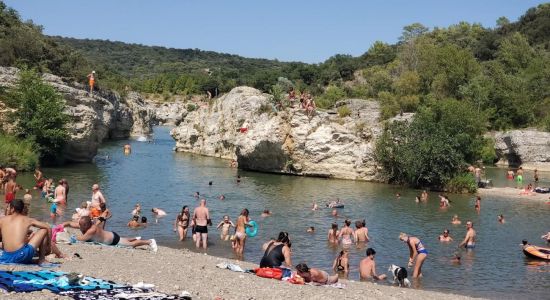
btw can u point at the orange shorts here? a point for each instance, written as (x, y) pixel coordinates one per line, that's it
(92, 82)
(95, 213)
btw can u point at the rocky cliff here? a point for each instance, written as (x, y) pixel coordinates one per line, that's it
(94, 118)
(289, 141)
(170, 114)
(527, 148)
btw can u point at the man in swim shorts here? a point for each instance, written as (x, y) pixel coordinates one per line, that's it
(18, 248)
(95, 233)
(10, 190)
(97, 199)
(201, 216)
(470, 239)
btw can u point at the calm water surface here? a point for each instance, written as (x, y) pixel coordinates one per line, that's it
(155, 176)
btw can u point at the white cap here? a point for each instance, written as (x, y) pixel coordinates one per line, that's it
(93, 71)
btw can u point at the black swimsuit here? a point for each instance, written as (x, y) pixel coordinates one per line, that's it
(116, 239)
(273, 257)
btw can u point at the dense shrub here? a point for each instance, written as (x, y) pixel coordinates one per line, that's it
(20, 154)
(462, 183)
(344, 111)
(434, 147)
(39, 115)
(331, 95)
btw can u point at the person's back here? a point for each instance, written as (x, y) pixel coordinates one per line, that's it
(201, 216)
(273, 256)
(14, 230)
(59, 193)
(366, 268)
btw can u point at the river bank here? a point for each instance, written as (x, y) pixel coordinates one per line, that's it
(173, 271)
(513, 193)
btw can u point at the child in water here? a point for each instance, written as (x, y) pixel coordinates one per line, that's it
(226, 224)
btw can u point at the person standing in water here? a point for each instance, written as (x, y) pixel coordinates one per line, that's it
(182, 223)
(333, 234)
(416, 251)
(346, 234)
(127, 149)
(240, 234)
(201, 215)
(536, 177)
(361, 234)
(91, 81)
(470, 239)
(59, 194)
(97, 199)
(478, 204)
(341, 263)
(226, 225)
(424, 196)
(519, 177)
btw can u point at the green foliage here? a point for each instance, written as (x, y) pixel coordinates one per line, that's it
(20, 154)
(331, 95)
(462, 183)
(344, 111)
(440, 140)
(488, 153)
(39, 115)
(191, 107)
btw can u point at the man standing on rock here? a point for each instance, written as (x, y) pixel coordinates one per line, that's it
(201, 216)
(91, 81)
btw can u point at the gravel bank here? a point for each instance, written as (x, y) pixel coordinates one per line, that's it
(173, 271)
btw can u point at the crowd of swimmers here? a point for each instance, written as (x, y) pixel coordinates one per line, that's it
(21, 244)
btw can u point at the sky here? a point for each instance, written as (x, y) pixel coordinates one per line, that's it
(307, 30)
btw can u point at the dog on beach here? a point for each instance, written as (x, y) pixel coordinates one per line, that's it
(399, 275)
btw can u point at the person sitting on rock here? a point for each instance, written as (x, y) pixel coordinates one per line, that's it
(310, 106)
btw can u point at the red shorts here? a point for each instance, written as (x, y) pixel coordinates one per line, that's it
(9, 197)
(244, 130)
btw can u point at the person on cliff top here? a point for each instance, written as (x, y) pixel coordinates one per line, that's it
(18, 247)
(91, 81)
(310, 106)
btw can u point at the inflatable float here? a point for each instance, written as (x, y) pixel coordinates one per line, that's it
(251, 231)
(537, 252)
(336, 206)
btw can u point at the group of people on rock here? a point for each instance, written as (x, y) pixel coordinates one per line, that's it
(306, 101)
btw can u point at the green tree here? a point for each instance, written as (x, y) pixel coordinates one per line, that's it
(434, 147)
(39, 115)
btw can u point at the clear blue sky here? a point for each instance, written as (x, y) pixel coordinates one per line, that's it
(308, 31)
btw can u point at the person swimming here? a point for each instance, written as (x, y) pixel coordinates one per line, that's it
(266, 213)
(455, 220)
(500, 219)
(310, 229)
(445, 237)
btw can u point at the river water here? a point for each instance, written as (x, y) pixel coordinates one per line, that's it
(155, 176)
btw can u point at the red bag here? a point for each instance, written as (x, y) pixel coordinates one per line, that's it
(274, 273)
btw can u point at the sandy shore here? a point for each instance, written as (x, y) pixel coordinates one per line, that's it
(509, 192)
(173, 271)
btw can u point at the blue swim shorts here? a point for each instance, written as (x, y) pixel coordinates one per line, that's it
(23, 255)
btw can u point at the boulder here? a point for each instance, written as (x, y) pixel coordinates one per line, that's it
(93, 118)
(288, 141)
(528, 148)
(169, 113)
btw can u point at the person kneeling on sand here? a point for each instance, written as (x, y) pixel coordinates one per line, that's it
(315, 275)
(95, 233)
(14, 229)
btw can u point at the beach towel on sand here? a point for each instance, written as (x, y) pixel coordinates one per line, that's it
(87, 288)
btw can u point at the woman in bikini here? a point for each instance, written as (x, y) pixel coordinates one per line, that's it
(346, 234)
(416, 251)
(182, 223)
(341, 263)
(333, 234)
(240, 234)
